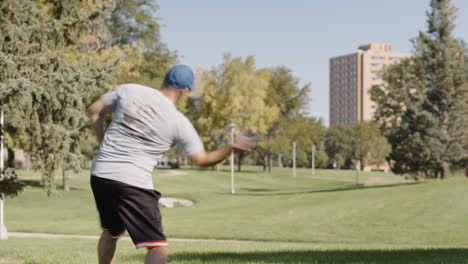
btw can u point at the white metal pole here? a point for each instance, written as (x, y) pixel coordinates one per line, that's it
(294, 158)
(358, 162)
(233, 189)
(3, 230)
(313, 160)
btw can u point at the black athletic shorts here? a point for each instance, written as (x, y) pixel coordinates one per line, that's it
(125, 207)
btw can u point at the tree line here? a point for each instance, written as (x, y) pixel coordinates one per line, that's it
(57, 56)
(272, 105)
(420, 126)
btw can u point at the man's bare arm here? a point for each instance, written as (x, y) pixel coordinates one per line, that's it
(204, 158)
(96, 112)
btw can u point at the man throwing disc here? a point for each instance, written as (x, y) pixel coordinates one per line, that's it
(146, 124)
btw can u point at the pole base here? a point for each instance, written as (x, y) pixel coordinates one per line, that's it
(3, 233)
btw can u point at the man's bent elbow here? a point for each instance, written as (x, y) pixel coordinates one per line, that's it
(199, 163)
(199, 159)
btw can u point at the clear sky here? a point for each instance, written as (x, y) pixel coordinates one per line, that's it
(300, 34)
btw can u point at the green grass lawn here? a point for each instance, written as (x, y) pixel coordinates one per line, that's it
(300, 219)
(73, 251)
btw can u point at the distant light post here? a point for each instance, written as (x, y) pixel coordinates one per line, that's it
(313, 160)
(358, 143)
(294, 158)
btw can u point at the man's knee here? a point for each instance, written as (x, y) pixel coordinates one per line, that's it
(108, 236)
(156, 255)
(157, 250)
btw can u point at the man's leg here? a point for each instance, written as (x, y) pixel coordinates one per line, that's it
(106, 248)
(156, 255)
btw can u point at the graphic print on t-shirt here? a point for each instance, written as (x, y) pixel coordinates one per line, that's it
(137, 118)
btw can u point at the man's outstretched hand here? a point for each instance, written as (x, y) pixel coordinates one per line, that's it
(242, 142)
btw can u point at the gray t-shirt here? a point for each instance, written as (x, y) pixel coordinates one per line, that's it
(145, 126)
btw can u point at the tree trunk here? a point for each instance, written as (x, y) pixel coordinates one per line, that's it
(421, 175)
(270, 162)
(280, 160)
(66, 180)
(217, 167)
(11, 158)
(445, 171)
(239, 160)
(179, 160)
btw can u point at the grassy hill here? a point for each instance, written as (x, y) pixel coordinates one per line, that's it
(303, 213)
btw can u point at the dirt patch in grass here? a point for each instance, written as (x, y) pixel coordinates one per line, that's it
(7, 260)
(174, 202)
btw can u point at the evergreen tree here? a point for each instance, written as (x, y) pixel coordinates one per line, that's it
(422, 110)
(41, 93)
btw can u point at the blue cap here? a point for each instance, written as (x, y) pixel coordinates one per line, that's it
(180, 76)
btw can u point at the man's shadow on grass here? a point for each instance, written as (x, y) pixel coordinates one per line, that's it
(31, 183)
(284, 191)
(37, 184)
(422, 256)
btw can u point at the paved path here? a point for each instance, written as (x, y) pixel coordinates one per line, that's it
(93, 237)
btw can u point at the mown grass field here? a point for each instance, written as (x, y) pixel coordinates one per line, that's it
(326, 219)
(72, 251)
